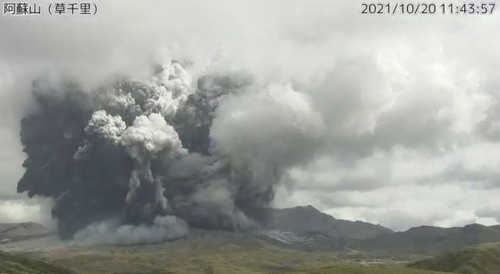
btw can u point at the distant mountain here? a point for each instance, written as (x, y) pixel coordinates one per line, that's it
(483, 259)
(18, 231)
(432, 240)
(309, 219)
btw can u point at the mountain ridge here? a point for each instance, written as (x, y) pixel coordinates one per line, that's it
(310, 219)
(24, 230)
(432, 240)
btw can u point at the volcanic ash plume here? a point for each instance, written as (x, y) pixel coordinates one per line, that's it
(138, 161)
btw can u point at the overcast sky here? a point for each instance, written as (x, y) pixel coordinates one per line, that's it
(410, 104)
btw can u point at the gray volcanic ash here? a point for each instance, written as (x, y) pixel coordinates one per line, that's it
(140, 160)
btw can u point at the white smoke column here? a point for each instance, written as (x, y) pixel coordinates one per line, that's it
(172, 86)
(149, 136)
(102, 125)
(111, 232)
(164, 93)
(146, 139)
(106, 126)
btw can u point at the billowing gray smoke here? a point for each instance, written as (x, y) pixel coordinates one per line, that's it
(139, 160)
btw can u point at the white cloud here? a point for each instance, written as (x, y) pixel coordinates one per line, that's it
(15, 211)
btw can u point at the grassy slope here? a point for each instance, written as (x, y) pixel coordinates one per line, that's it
(221, 252)
(15, 264)
(482, 259)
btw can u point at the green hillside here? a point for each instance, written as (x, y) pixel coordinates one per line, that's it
(483, 259)
(15, 264)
